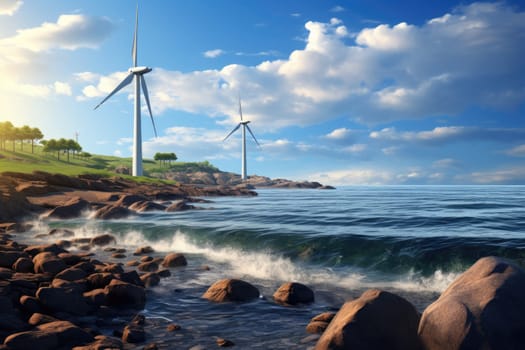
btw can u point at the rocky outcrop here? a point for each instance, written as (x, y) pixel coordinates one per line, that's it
(112, 211)
(71, 209)
(319, 323)
(231, 290)
(376, 320)
(174, 260)
(484, 308)
(293, 293)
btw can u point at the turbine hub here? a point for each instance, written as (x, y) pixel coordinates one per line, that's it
(140, 70)
(245, 122)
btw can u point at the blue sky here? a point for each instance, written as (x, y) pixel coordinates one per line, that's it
(342, 92)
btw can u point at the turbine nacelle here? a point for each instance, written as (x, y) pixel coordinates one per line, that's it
(140, 70)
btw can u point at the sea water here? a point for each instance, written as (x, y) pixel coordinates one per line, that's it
(410, 240)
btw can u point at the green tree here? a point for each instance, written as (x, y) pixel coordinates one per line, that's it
(52, 146)
(5, 132)
(25, 133)
(36, 134)
(164, 158)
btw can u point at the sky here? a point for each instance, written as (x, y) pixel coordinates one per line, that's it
(346, 92)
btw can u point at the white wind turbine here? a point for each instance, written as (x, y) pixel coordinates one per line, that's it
(244, 124)
(138, 74)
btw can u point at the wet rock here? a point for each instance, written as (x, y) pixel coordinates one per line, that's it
(231, 290)
(130, 277)
(67, 333)
(134, 331)
(96, 296)
(34, 340)
(51, 248)
(48, 262)
(173, 327)
(293, 293)
(224, 343)
(375, 320)
(179, 206)
(39, 318)
(118, 256)
(112, 211)
(174, 260)
(61, 232)
(102, 342)
(148, 266)
(144, 250)
(65, 300)
(76, 286)
(30, 304)
(71, 209)
(145, 206)
(71, 274)
(151, 346)
(150, 279)
(484, 308)
(23, 265)
(164, 273)
(128, 199)
(319, 323)
(146, 258)
(103, 240)
(8, 258)
(99, 280)
(122, 294)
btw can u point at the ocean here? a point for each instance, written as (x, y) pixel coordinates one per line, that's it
(410, 240)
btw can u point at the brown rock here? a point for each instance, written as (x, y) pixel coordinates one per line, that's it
(150, 279)
(293, 293)
(164, 273)
(484, 308)
(23, 265)
(71, 274)
(30, 304)
(103, 240)
(71, 209)
(376, 320)
(8, 258)
(146, 258)
(174, 260)
(128, 199)
(62, 232)
(133, 334)
(143, 250)
(96, 296)
(39, 318)
(148, 266)
(66, 300)
(130, 277)
(231, 290)
(122, 294)
(67, 333)
(70, 259)
(112, 211)
(79, 286)
(34, 340)
(145, 206)
(99, 280)
(52, 248)
(223, 343)
(118, 256)
(179, 206)
(48, 262)
(319, 323)
(173, 327)
(102, 342)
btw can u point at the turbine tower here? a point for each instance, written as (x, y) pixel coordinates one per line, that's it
(244, 124)
(136, 73)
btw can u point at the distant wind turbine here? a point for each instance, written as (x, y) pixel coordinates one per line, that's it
(138, 74)
(244, 124)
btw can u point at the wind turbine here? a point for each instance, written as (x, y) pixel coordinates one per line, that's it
(244, 124)
(137, 73)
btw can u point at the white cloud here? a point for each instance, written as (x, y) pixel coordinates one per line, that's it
(357, 148)
(337, 8)
(214, 53)
(438, 133)
(518, 151)
(9, 7)
(339, 134)
(354, 177)
(445, 163)
(62, 88)
(69, 32)
(502, 176)
(388, 73)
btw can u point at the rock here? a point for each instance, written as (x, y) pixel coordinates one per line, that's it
(164, 273)
(127, 200)
(111, 211)
(76, 286)
(23, 265)
(174, 260)
(319, 323)
(148, 266)
(96, 296)
(146, 258)
(150, 279)
(103, 240)
(71, 209)
(39, 318)
(70, 259)
(102, 342)
(179, 206)
(231, 290)
(48, 262)
(64, 300)
(145, 206)
(484, 308)
(223, 343)
(293, 293)
(8, 258)
(173, 327)
(375, 320)
(62, 232)
(130, 277)
(133, 334)
(118, 256)
(51, 248)
(122, 294)
(151, 346)
(67, 333)
(143, 250)
(71, 274)
(30, 304)
(34, 340)
(99, 280)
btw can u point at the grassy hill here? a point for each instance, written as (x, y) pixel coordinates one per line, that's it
(26, 162)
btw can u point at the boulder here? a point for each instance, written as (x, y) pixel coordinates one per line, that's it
(134, 331)
(48, 262)
(30, 304)
(126, 200)
(34, 340)
(174, 260)
(375, 320)
(484, 308)
(23, 265)
(71, 209)
(150, 279)
(148, 266)
(76, 286)
(122, 294)
(102, 342)
(67, 333)
(231, 290)
(8, 258)
(65, 300)
(39, 318)
(319, 323)
(179, 206)
(145, 206)
(52, 248)
(61, 232)
(130, 277)
(71, 274)
(96, 296)
(103, 240)
(111, 211)
(99, 280)
(293, 293)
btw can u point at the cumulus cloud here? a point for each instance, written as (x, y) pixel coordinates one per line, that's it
(62, 88)
(69, 32)
(354, 177)
(512, 176)
(518, 151)
(9, 7)
(339, 134)
(337, 8)
(383, 73)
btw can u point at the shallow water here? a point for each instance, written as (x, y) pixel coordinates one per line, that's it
(412, 241)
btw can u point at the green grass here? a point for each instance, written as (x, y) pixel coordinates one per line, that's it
(24, 161)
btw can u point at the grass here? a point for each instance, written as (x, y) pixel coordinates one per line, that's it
(24, 161)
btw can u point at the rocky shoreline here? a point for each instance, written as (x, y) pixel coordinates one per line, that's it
(87, 293)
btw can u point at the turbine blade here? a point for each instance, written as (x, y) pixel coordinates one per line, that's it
(123, 83)
(231, 132)
(240, 107)
(251, 133)
(146, 96)
(134, 47)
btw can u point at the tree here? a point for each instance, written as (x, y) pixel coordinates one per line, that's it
(165, 157)
(5, 132)
(52, 146)
(25, 133)
(36, 134)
